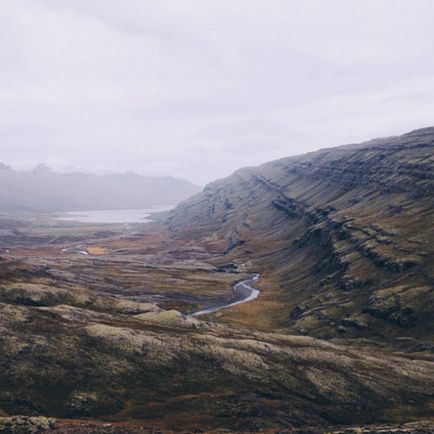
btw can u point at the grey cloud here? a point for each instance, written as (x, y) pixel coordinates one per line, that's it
(200, 88)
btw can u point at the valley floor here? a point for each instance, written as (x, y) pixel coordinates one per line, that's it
(95, 326)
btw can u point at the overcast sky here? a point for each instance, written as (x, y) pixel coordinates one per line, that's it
(199, 88)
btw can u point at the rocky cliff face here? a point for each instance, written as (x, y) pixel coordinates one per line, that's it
(343, 237)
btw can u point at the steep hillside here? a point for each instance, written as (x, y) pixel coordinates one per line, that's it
(343, 239)
(43, 190)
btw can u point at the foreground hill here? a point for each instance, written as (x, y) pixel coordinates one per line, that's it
(43, 190)
(343, 238)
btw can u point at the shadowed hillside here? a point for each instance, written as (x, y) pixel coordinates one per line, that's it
(343, 237)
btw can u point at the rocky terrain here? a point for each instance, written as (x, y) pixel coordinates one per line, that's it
(340, 339)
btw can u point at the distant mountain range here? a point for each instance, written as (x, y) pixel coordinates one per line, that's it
(43, 190)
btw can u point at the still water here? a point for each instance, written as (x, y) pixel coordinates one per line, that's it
(113, 215)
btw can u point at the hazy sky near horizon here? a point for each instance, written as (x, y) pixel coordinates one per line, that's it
(199, 88)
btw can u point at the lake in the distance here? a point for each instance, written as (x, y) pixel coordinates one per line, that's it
(113, 215)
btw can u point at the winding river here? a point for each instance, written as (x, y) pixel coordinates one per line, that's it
(243, 289)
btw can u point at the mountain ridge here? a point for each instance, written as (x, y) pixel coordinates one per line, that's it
(360, 217)
(43, 190)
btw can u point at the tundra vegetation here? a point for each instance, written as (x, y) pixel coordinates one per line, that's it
(340, 339)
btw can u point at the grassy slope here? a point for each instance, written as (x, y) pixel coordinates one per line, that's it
(342, 236)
